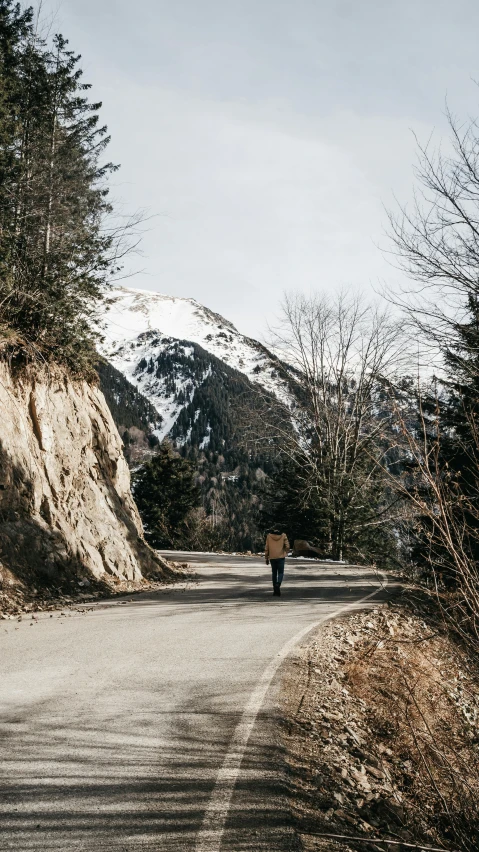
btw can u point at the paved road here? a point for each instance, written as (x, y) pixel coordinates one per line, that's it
(150, 724)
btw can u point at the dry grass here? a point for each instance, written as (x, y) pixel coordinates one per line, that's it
(384, 743)
(423, 693)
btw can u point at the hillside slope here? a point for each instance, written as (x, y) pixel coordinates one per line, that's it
(211, 403)
(204, 379)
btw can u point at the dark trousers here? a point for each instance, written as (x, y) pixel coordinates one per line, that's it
(277, 568)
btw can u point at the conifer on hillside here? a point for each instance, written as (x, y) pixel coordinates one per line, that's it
(450, 431)
(56, 251)
(165, 493)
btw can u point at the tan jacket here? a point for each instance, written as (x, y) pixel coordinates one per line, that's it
(277, 546)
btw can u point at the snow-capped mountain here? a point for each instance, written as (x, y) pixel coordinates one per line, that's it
(161, 343)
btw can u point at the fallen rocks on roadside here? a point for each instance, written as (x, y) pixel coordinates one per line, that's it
(17, 599)
(354, 766)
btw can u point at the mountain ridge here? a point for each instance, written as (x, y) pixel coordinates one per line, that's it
(141, 326)
(206, 382)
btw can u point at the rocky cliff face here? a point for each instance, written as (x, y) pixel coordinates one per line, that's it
(66, 508)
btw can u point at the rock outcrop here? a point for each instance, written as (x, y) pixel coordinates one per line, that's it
(304, 548)
(65, 503)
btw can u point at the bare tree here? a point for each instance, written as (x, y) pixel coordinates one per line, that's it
(437, 243)
(436, 240)
(445, 512)
(344, 353)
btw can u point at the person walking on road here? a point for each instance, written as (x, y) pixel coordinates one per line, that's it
(277, 546)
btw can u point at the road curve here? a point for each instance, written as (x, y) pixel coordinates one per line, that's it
(149, 724)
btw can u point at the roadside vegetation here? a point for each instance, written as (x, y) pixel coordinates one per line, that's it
(336, 461)
(383, 742)
(381, 729)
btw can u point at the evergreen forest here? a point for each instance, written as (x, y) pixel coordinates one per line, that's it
(232, 475)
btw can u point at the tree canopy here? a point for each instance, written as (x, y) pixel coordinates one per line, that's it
(165, 493)
(56, 249)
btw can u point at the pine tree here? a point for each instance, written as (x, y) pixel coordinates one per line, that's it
(286, 506)
(449, 429)
(165, 493)
(459, 419)
(56, 254)
(461, 412)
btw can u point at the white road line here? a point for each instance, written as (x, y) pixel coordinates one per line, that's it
(211, 833)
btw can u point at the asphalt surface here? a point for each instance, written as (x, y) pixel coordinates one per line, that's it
(150, 724)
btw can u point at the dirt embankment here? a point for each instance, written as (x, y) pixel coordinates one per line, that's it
(382, 735)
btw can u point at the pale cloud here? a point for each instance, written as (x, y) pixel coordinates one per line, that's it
(258, 199)
(269, 135)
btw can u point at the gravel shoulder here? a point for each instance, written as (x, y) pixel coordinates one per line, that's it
(18, 599)
(381, 732)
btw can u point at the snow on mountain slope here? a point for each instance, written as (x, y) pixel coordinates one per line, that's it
(143, 329)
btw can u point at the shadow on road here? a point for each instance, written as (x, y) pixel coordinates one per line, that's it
(225, 587)
(102, 778)
(101, 789)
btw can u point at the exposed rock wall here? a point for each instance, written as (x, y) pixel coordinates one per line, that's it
(65, 501)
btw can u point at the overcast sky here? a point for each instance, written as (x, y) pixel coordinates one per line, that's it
(268, 134)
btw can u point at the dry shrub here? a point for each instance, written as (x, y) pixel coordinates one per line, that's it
(422, 694)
